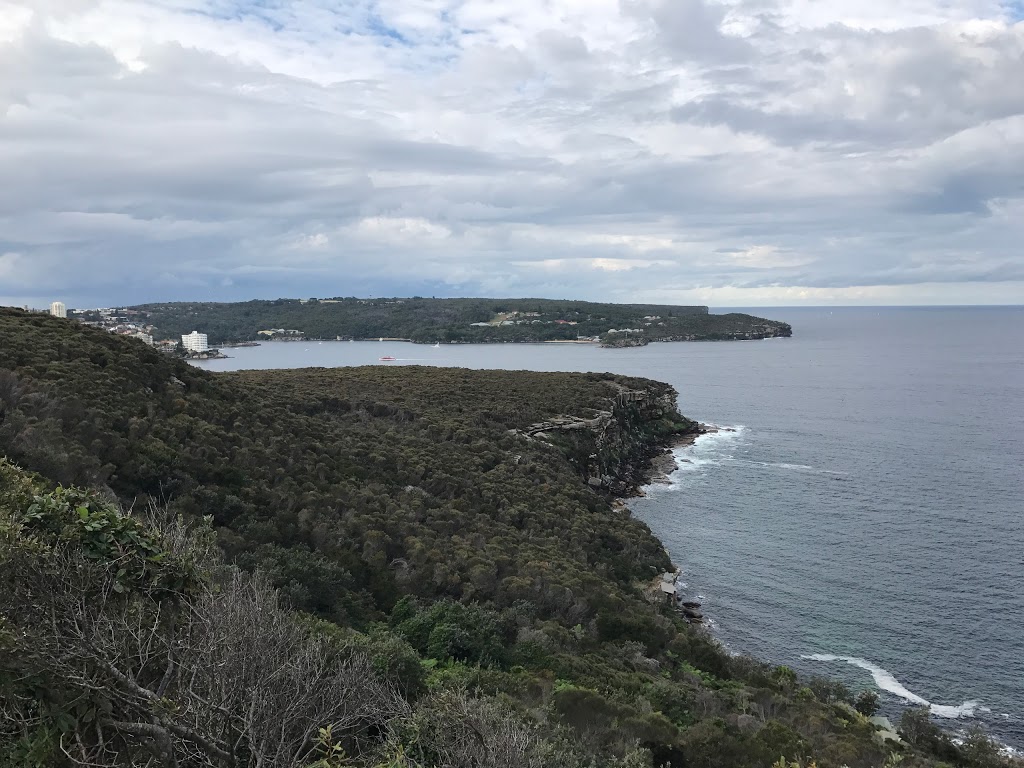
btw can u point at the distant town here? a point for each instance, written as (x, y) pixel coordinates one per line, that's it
(124, 321)
(133, 323)
(201, 330)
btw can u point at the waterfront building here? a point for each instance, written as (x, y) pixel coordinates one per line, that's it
(195, 342)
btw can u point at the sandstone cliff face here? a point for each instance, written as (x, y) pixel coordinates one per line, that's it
(612, 449)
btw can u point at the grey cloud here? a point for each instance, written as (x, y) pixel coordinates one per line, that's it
(968, 191)
(442, 158)
(785, 129)
(866, 90)
(691, 30)
(509, 168)
(559, 47)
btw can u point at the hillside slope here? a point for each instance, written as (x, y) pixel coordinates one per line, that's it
(328, 476)
(423, 517)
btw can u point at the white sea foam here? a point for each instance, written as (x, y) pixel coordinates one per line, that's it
(708, 450)
(806, 468)
(887, 682)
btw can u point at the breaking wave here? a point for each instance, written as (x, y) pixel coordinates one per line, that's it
(706, 451)
(887, 682)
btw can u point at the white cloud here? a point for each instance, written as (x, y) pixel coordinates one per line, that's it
(397, 230)
(625, 265)
(766, 257)
(741, 151)
(312, 242)
(9, 264)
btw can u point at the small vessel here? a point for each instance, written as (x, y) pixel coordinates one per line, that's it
(387, 358)
(437, 345)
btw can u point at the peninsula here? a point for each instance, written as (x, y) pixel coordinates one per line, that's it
(363, 567)
(444, 321)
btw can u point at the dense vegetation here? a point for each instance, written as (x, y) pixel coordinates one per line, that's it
(451, 320)
(456, 594)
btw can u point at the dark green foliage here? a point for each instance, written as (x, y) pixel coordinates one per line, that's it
(702, 652)
(979, 751)
(829, 691)
(448, 630)
(332, 480)
(72, 517)
(102, 663)
(449, 320)
(777, 740)
(975, 750)
(517, 620)
(867, 703)
(713, 742)
(610, 724)
(917, 728)
(395, 660)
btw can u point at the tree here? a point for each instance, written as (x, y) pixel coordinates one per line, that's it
(980, 751)
(867, 703)
(123, 650)
(457, 729)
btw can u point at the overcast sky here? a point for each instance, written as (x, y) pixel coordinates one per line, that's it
(744, 153)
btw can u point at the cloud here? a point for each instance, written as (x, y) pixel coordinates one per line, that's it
(745, 151)
(9, 265)
(691, 30)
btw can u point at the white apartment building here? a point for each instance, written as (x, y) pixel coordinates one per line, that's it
(195, 342)
(142, 336)
(57, 309)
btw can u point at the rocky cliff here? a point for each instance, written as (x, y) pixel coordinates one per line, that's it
(612, 449)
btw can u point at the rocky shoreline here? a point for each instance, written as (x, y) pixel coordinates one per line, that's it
(667, 587)
(211, 354)
(665, 462)
(658, 463)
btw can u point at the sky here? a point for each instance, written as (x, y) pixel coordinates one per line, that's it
(734, 153)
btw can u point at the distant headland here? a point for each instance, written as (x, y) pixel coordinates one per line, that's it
(450, 321)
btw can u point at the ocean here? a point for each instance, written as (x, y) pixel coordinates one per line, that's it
(861, 517)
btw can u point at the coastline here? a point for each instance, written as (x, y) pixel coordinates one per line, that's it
(691, 338)
(951, 720)
(668, 586)
(665, 462)
(657, 462)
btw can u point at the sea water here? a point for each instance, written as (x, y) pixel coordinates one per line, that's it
(861, 513)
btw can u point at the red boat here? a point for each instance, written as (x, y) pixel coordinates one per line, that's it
(388, 357)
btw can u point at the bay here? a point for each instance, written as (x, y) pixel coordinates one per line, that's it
(864, 519)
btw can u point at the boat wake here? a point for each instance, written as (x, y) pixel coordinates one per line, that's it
(887, 682)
